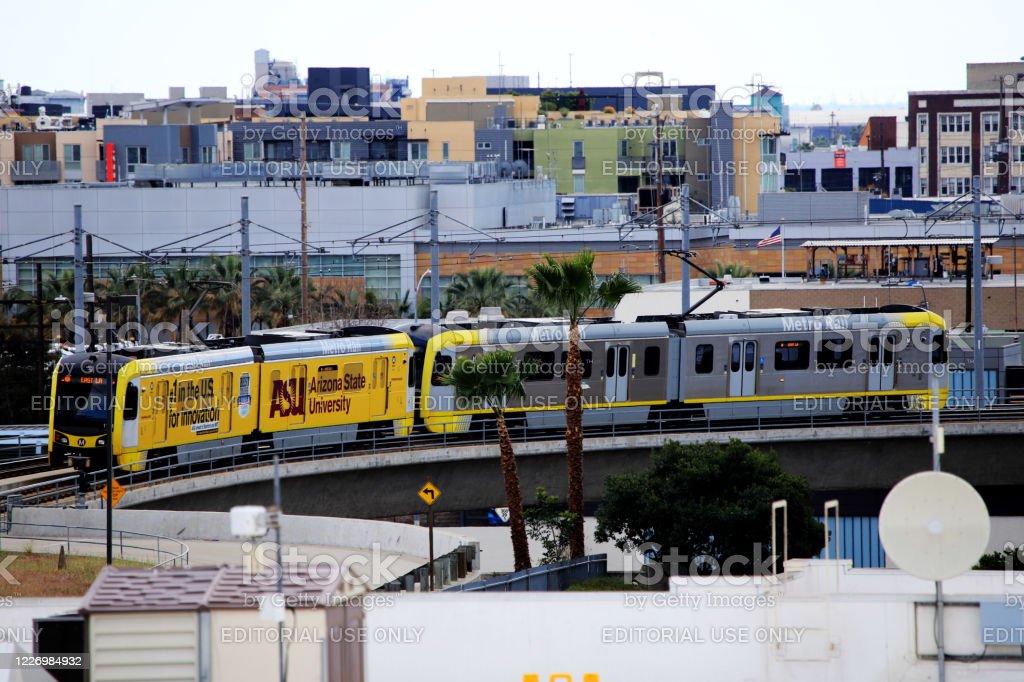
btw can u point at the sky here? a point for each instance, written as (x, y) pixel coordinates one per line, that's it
(851, 55)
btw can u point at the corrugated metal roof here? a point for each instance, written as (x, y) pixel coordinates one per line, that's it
(193, 589)
(948, 241)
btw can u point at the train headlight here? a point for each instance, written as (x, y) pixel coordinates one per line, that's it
(62, 439)
(101, 441)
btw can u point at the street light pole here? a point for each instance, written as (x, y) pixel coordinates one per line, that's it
(110, 439)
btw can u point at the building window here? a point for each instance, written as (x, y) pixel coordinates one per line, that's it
(418, 151)
(949, 156)
(668, 148)
(704, 358)
(924, 187)
(1017, 184)
(577, 149)
(955, 123)
(703, 141)
(483, 145)
(209, 154)
(444, 151)
(623, 147)
(136, 155)
(35, 152)
(1017, 153)
(702, 177)
(988, 184)
(954, 187)
(341, 151)
(924, 156)
(1017, 122)
(792, 355)
(578, 186)
(990, 122)
(922, 124)
(252, 151)
(72, 157)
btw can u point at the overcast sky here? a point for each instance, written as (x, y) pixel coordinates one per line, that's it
(835, 54)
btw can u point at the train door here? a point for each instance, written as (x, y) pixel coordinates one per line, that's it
(616, 381)
(742, 368)
(298, 387)
(160, 409)
(379, 386)
(881, 374)
(226, 407)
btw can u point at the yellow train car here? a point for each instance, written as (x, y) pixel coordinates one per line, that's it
(181, 404)
(322, 392)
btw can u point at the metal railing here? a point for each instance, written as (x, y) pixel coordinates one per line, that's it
(545, 578)
(176, 556)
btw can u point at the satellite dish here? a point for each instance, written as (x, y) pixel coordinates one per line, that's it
(934, 525)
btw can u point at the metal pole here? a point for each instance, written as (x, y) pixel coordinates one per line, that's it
(782, 237)
(684, 266)
(659, 155)
(938, 446)
(280, 569)
(110, 446)
(435, 266)
(979, 318)
(246, 271)
(305, 223)
(79, 283)
(430, 534)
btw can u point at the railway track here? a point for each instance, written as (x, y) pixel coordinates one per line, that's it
(23, 466)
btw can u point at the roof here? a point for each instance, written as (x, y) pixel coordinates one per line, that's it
(118, 590)
(943, 241)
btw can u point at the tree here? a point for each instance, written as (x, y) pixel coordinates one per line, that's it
(277, 294)
(476, 289)
(490, 381)
(734, 269)
(228, 300)
(547, 523)
(709, 501)
(181, 290)
(570, 287)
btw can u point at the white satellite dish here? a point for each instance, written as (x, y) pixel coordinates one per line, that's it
(934, 525)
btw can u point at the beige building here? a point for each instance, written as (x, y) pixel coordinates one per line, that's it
(185, 625)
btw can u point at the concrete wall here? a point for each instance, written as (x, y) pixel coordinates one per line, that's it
(298, 530)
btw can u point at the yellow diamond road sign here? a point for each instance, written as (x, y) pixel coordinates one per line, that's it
(116, 488)
(429, 493)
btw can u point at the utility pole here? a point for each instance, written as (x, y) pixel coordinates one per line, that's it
(305, 224)
(435, 266)
(979, 317)
(247, 270)
(79, 283)
(90, 287)
(661, 200)
(684, 199)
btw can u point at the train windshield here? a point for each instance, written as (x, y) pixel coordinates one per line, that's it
(81, 401)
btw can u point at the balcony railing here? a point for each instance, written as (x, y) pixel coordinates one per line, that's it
(238, 171)
(35, 171)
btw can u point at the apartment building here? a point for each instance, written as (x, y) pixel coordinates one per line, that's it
(976, 131)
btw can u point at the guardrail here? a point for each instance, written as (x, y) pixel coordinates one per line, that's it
(299, 447)
(545, 578)
(177, 556)
(448, 568)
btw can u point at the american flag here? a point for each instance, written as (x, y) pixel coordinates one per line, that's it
(774, 238)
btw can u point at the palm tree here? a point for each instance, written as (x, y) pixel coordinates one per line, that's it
(734, 269)
(477, 288)
(135, 280)
(571, 287)
(491, 380)
(181, 290)
(278, 294)
(228, 300)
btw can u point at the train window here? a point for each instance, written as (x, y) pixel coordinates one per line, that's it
(734, 364)
(652, 361)
(939, 352)
(792, 355)
(835, 352)
(442, 366)
(704, 358)
(609, 362)
(538, 366)
(131, 402)
(623, 360)
(586, 358)
(749, 356)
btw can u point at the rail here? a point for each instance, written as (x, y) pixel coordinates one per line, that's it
(177, 556)
(23, 466)
(665, 422)
(554, 577)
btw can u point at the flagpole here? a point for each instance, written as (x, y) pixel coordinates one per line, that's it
(782, 234)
